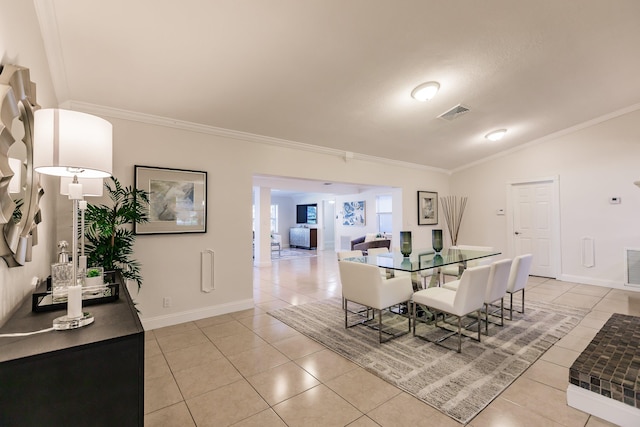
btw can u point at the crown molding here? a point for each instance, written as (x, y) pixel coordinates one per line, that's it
(552, 136)
(234, 134)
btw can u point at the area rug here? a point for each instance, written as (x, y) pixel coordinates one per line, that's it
(286, 254)
(459, 385)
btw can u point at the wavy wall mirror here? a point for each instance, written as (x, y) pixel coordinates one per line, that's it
(19, 201)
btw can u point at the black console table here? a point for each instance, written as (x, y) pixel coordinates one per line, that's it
(91, 376)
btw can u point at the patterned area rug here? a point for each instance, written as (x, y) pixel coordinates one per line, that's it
(292, 254)
(458, 385)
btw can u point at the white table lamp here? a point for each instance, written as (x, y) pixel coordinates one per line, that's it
(73, 145)
(91, 187)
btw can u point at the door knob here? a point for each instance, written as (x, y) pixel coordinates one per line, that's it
(516, 233)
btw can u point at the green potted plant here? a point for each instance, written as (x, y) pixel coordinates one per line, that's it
(94, 277)
(108, 233)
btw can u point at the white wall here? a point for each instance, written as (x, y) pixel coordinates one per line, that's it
(593, 164)
(21, 44)
(171, 263)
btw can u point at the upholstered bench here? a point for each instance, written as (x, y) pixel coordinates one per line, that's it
(605, 379)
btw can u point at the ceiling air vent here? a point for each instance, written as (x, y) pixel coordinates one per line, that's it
(454, 113)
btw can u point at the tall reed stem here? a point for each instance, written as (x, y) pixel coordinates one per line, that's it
(453, 208)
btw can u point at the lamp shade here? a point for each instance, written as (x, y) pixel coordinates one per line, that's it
(90, 187)
(70, 143)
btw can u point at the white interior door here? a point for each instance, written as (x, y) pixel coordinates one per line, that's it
(535, 230)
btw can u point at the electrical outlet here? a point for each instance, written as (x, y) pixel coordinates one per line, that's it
(166, 302)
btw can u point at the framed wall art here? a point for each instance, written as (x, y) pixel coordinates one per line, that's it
(353, 213)
(177, 200)
(427, 208)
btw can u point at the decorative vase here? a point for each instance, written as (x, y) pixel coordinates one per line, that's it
(436, 240)
(405, 243)
(61, 279)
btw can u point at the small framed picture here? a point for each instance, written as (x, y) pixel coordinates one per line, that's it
(427, 208)
(177, 200)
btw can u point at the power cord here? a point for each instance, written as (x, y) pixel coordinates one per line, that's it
(24, 334)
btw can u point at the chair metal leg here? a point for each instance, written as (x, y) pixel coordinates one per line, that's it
(486, 319)
(494, 313)
(479, 310)
(379, 325)
(460, 333)
(413, 314)
(344, 303)
(511, 304)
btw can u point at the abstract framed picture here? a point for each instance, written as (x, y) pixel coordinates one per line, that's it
(353, 213)
(177, 200)
(427, 208)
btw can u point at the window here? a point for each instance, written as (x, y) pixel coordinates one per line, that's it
(273, 219)
(384, 213)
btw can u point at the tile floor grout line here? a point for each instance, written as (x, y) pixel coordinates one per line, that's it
(292, 290)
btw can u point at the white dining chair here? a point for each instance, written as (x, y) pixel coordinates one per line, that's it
(348, 254)
(468, 298)
(342, 255)
(385, 272)
(455, 269)
(276, 243)
(518, 278)
(377, 251)
(362, 284)
(496, 288)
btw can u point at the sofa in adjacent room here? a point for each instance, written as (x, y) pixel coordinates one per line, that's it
(370, 241)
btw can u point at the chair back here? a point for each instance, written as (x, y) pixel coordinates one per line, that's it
(471, 290)
(360, 282)
(348, 254)
(498, 280)
(519, 272)
(377, 251)
(276, 238)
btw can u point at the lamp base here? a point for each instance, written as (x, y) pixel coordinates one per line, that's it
(64, 322)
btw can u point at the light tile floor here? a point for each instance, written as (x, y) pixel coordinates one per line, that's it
(248, 369)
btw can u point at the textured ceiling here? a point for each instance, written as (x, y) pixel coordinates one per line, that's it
(339, 74)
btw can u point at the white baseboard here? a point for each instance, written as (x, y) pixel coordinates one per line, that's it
(596, 282)
(603, 407)
(262, 264)
(197, 314)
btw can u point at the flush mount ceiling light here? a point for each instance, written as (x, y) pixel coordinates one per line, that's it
(496, 135)
(425, 91)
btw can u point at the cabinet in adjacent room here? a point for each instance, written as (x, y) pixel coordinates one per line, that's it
(302, 237)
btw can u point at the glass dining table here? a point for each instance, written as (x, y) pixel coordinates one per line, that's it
(424, 260)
